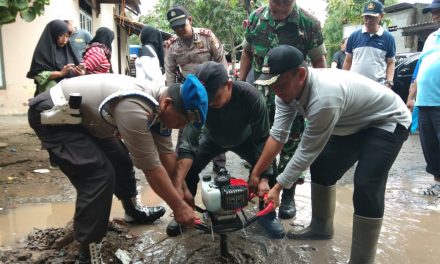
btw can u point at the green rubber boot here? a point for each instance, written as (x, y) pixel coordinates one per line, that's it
(323, 211)
(365, 235)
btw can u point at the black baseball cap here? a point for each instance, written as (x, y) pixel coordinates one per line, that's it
(177, 15)
(212, 75)
(277, 61)
(434, 5)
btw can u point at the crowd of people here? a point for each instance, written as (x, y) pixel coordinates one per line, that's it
(97, 126)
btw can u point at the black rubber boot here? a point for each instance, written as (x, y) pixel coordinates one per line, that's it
(174, 229)
(365, 235)
(323, 211)
(287, 208)
(136, 213)
(272, 225)
(90, 254)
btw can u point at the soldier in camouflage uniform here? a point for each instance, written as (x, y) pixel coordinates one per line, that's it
(282, 22)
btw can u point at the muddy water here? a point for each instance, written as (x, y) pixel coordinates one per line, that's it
(410, 232)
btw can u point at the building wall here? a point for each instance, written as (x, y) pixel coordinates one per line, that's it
(402, 18)
(106, 19)
(18, 43)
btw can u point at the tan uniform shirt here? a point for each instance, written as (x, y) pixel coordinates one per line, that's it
(133, 116)
(204, 47)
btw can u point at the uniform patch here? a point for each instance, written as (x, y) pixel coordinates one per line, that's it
(160, 129)
(199, 44)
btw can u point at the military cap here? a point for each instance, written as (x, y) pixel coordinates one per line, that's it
(212, 75)
(195, 100)
(277, 61)
(373, 8)
(434, 5)
(177, 15)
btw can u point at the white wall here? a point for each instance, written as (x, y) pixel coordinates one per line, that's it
(400, 18)
(106, 19)
(19, 40)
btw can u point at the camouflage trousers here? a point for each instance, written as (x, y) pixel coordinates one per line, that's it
(295, 131)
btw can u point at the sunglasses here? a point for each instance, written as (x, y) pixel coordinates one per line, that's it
(175, 28)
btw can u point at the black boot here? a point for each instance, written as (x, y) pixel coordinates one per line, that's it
(287, 208)
(272, 225)
(136, 213)
(90, 254)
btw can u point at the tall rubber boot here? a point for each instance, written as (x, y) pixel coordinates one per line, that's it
(365, 235)
(323, 211)
(287, 207)
(136, 213)
(90, 254)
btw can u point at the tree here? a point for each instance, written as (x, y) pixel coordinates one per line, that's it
(28, 9)
(340, 13)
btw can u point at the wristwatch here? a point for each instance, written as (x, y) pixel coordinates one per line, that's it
(390, 83)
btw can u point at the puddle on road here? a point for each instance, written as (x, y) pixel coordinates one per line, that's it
(410, 231)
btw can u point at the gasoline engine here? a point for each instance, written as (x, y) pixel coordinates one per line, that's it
(224, 198)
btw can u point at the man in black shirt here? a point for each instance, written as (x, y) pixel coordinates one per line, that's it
(238, 121)
(339, 56)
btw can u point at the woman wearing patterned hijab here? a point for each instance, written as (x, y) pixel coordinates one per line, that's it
(150, 63)
(97, 55)
(53, 58)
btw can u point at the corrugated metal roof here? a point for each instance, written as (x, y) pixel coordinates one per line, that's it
(398, 7)
(132, 5)
(418, 25)
(134, 27)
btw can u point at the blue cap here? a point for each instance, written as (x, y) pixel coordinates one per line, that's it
(195, 100)
(434, 5)
(373, 8)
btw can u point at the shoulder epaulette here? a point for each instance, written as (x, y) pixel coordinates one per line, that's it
(170, 41)
(205, 32)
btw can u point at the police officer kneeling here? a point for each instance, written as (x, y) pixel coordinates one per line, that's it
(350, 119)
(83, 138)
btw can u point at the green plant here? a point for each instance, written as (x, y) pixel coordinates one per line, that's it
(28, 9)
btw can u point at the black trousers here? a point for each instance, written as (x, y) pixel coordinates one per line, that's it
(375, 150)
(429, 127)
(208, 149)
(97, 168)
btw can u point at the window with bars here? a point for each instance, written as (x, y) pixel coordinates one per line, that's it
(85, 15)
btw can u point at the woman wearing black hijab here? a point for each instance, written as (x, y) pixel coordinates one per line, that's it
(53, 58)
(150, 63)
(97, 55)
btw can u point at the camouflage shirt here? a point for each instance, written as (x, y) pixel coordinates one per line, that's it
(204, 47)
(300, 30)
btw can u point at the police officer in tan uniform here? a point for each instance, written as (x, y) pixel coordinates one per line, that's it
(83, 138)
(186, 50)
(190, 46)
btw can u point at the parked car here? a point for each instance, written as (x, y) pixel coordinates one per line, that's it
(405, 65)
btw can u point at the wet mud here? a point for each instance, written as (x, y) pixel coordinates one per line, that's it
(35, 208)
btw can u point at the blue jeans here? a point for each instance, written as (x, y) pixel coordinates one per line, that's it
(429, 128)
(415, 120)
(375, 150)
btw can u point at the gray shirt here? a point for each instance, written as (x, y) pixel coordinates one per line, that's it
(335, 102)
(79, 40)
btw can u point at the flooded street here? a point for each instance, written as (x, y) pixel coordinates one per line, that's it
(410, 231)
